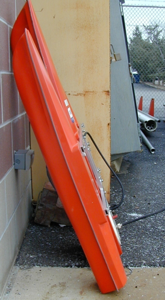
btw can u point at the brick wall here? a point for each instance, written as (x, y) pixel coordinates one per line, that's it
(15, 185)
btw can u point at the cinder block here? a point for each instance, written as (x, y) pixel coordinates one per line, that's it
(20, 107)
(19, 5)
(5, 259)
(4, 49)
(7, 11)
(18, 128)
(6, 160)
(18, 181)
(0, 102)
(3, 216)
(9, 96)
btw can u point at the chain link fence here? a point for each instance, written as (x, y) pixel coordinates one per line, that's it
(145, 28)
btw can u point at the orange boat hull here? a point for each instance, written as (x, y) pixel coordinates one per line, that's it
(62, 145)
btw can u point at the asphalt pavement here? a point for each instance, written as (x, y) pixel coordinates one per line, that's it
(142, 175)
(143, 242)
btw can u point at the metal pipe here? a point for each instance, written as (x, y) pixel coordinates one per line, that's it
(147, 116)
(149, 122)
(147, 143)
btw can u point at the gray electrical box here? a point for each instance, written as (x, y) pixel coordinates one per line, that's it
(124, 121)
(23, 159)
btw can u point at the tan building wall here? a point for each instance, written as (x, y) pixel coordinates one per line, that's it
(78, 36)
(15, 186)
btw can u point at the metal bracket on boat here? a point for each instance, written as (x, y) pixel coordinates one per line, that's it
(96, 171)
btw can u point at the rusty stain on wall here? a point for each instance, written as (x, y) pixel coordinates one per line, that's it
(86, 92)
(79, 42)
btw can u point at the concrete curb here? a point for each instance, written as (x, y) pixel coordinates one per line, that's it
(48, 283)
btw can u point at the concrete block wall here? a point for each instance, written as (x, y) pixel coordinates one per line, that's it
(15, 185)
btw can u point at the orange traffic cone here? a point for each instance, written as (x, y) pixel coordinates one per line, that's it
(140, 107)
(151, 108)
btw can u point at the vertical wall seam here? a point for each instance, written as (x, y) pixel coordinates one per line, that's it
(15, 10)
(9, 61)
(12, 146)
(1, 98)
(25, 134)
(6, 206)
(18, 103)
